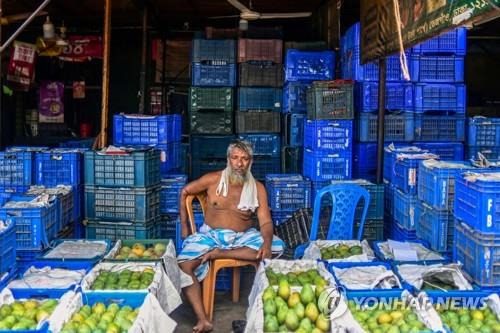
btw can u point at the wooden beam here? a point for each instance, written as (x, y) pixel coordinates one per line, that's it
(103, 137)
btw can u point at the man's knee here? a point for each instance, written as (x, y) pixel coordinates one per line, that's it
(189, 266)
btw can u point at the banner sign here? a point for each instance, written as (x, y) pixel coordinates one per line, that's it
(21, 68)
(51, 103)
(82, 48)
(420, 20)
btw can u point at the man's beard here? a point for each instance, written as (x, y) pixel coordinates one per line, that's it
(236, 178)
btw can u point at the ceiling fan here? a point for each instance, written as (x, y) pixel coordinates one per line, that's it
(18, 17)
(248, 14)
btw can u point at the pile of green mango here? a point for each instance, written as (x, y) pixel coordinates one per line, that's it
(463, 320)
(437, 285)
(340, 251)
(124, 280)
(25, 315)
(286, 310)
(101, 319)
(296, 279)
(383, 320)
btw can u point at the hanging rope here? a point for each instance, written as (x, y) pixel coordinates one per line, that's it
(402, 55)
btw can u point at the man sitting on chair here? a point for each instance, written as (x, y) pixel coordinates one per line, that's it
(233, 195)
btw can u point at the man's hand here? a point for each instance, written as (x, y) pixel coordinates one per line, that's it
(264, 252)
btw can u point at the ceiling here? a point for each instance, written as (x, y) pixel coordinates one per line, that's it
(164, 13)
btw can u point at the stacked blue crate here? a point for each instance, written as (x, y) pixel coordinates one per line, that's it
(436, 190)
(286, 194)
(437, 69)
(483, 137)
(171, 187)
(122, 191)
(477, 226)
(301, 68)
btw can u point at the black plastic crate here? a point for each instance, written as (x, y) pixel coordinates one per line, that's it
(211, 110)
(258, 122)
(209, 50)
(263, 165)
(439, 127)
(263, 74)
(211, 122)
(331, 100)
(291, 159)
(200, 166)
(211, 99)
(210, 146)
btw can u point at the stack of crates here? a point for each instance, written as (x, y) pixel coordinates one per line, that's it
(171, 187)
(64, 166)
(122, 193)
(477, 226)
(436, 192)
(211, 103)
(259, 101)
(302, 67)
(287, 193)
(483, 137)
(437, 71)
(399, 118)
(162, 132)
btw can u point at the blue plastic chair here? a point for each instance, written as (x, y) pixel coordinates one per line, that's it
(345, 199)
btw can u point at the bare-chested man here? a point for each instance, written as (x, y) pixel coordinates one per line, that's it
(233, 196)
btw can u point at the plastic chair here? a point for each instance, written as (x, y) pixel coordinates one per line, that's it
(345, 199)
(208, 287)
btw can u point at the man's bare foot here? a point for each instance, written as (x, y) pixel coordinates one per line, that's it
(210, 255)
(203, 326)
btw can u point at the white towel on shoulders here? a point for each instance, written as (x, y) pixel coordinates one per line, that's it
(248, 198)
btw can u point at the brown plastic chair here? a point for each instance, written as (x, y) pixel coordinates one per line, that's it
(216, 265)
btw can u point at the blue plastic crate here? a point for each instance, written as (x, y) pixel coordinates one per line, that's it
(38, 291)
(259, 99)
(450, 98)
(399, 126)
(32, 149)
(24, 258)
(293, 134)
(65, 205)
(483, 132)
(288, 192)
(263, 165)
(436, 182)
(351, 67)
(213, 50)
(136, 168)
(213, 75)
(122, 204)
(171, 187)
(114, 231)
(401, 234)
(451, 42)
(439, 127)
(404, 209)
(170, 157)
(351, 37)
(143, 130)
(89, 261)
(16, 169)
(309, 65)
(328, 135)
(78, 198)
(435, 227)
(35, 227)
(7, 248)
(447, 151)
(58, 168)
(280, 217)
(319, 165)
(295, 97)
(491, 153)
(364, 293)
(436, 68)
(398, 96)
(210, 146)
(477, 201)
(364, 160)
(390, 153)
(82, 143)
(479, 253)
(389, 189)
(405, 172)
(264, 144)
(166, 228)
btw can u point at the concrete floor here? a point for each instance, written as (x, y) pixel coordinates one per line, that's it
(225, 310)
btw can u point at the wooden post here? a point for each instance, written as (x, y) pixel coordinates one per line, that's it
(142, 75)
(103, 137)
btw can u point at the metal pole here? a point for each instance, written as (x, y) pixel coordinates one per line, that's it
(105, 75)
(380, 120)
(24, 25)
(142, 75)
